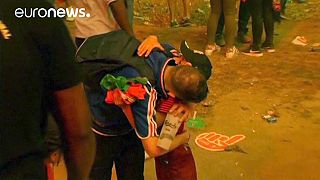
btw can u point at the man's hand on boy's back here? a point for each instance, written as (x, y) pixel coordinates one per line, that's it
(150, 43)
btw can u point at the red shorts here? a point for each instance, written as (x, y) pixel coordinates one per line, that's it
(176, 165)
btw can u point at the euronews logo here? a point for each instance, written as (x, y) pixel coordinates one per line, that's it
(50, 12)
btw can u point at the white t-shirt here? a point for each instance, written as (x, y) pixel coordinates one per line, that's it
(100, 21)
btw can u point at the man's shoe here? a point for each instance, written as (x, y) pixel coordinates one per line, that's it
(210, 48)
(252, 52)
(268, 47)
(242, 38)
(220, 40)
(231, 52)
(174, 24)
(186, 22)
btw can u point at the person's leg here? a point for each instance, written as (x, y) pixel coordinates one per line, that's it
(185, 8)
(255, 8)
(229, 10)
(268, 25)
(172, 11)
(220, 28)
(130, 160)
(216, 6)
(186, 15)
(244, 17)
(107, 147)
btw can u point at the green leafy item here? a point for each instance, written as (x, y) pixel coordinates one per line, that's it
(110, 82)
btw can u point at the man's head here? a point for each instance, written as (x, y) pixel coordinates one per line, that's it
(187, 83)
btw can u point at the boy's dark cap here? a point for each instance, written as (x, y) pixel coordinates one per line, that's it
(197, 58)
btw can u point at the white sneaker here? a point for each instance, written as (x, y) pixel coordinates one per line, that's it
(210, 48)
(231, 52)
(300, 40)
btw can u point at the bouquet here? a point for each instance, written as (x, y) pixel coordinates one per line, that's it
(123, 91)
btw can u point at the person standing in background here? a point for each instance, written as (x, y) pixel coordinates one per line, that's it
(105, 16)
(173, 14)
(38, 74)
(262, 16)
(229, 9)
(244, 17)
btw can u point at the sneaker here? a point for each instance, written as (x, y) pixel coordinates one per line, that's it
(220, 40)
(174, 24)
(231, 52)
(242, 38)
(210, 48)
(186, 22)
(254, 53)
(300, 40)
(268, 48)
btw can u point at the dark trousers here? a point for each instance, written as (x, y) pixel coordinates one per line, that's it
(244, 16)
(125, 151)
(262, 15)
(29, 167)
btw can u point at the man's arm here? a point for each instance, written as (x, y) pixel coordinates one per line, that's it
(150, 144)
(73, 111)
(120, 14)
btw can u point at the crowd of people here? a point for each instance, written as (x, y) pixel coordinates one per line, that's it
(221, 25)
(45, 81)
(263, 13)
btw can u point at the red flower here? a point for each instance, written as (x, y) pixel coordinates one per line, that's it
(119, 98)
(109, 98)
(115, 96)
(136, 91)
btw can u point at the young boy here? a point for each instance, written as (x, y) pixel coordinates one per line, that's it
(179, 163)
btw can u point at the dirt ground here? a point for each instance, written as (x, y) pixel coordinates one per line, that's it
(244, 88)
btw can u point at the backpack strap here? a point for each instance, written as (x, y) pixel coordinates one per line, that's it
(104, 53)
